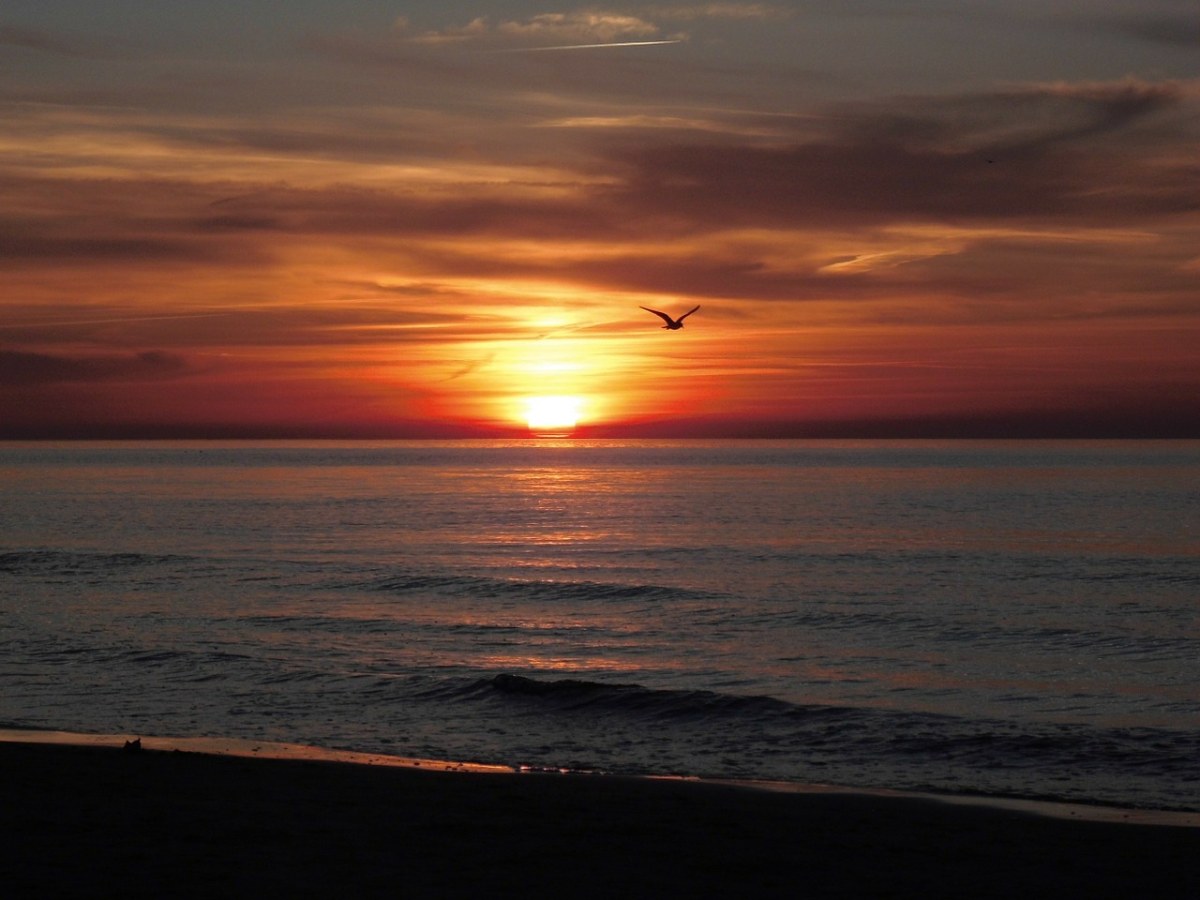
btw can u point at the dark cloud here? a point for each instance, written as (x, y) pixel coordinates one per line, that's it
(1182, 30)
(1046, 151)
(841, 183)
(109, 220)
(28, 247)
(360, 141)
(1091, 110)
(467, 211)
(20, 369)
(1019, 119)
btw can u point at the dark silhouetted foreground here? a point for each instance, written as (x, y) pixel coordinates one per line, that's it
(100, 823)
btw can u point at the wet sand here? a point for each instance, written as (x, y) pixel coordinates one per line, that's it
(101, 822)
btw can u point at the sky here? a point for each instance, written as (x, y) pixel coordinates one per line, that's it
(296, 218)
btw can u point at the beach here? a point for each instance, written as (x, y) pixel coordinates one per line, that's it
(101, 821)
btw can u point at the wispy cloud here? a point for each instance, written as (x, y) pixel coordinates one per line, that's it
(1181, 30)
(19, 369)
(586, 29)
(735, 11)
(544, 31)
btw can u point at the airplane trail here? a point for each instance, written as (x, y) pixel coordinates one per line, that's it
(588, 46)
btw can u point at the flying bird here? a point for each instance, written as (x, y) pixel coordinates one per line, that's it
(672, 324)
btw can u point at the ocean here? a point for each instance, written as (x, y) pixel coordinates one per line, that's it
(1017, 619)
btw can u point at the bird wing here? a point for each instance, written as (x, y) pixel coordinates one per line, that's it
(661, 315)
(688, 313)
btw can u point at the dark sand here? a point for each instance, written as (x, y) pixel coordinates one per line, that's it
(99, 822)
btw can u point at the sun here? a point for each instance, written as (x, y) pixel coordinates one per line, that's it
(556, 414)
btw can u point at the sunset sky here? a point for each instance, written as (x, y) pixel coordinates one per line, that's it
(412, 219)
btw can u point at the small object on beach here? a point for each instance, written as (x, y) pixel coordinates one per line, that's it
(672, 324)
(133, 746)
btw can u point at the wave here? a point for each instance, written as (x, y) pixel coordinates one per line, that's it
(527, 589)
(575, 694)
(718, 726)
(78, 562)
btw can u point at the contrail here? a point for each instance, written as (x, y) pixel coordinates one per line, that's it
(588, 46)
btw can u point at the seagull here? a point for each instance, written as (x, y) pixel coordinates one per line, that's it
(672, 324)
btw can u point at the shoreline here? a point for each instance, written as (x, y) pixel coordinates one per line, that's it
(240, 747)
(245, 748)
(88, 820)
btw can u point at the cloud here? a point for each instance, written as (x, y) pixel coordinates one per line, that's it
(1096, 108)
(33, 247)
(735, 11)
(20, 369)
(580, 26)
(586, 28)
(1164, 27)
(1050, 150)
(542, 29)
(1023, 118)
(335, 314)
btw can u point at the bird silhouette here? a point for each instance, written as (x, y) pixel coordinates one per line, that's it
(672, 324)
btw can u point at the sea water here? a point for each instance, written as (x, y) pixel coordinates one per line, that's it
(1017, 619)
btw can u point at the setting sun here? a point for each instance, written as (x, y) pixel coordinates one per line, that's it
(555, 414)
